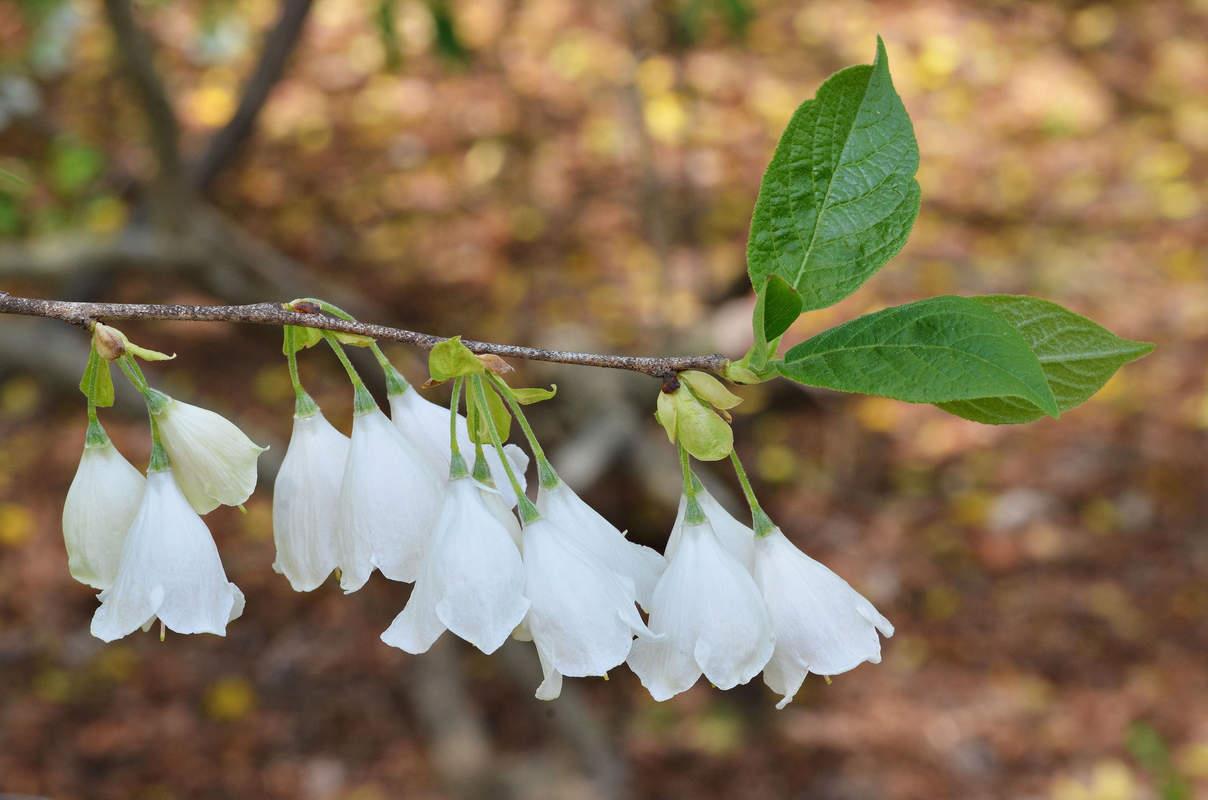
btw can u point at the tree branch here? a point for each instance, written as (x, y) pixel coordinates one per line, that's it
(276, 314)
(140, 67)
(278, 45)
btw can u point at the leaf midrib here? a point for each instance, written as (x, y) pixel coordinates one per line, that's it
(809, 248)
(945, 348)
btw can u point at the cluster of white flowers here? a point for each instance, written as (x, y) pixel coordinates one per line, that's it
(486, 562)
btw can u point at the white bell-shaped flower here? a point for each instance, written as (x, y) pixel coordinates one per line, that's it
(586, 528)
(738, 539)
(822, 624)
(169, 569)
(101, 503)
(426, 426)
(711, 617)
(214, 461)
(390, 499)
(472, 582)
(306, 502)
(583, 615)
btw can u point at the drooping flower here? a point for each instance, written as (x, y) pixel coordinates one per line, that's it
(214, 461)
(738, 539)
(390, 499)
(101, 503)
(710, 615)
(583, 615)
(306, 502)
(822, 624)
(596, 535)
(169, 569)
(426, 425)
(472, 582)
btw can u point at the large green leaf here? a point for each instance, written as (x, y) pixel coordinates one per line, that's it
(839, 197)
(1077, 355)
(934, 351)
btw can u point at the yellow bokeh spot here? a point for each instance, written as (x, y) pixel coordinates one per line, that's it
(16, 524)
(776, 463)
(939, 59)
(1109, 780)
(1093, 25)
(115, 663)
(484, 161)
(257, 520)
(656, 76)
(971, 508)
(52, 685)
(666, 117)
(1178, 200)
(211, 106)
(105, 215)
(527, 223)
(19, 396)
(1193, 760)
(878, 414)
(230, 699)
(941, 602)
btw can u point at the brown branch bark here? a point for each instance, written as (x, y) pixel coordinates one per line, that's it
(278, 46)
(276, 314)
(135, 53)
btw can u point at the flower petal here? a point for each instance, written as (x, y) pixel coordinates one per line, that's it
(215, 463)
(101, 504)
(737, 538)
(551, 683)
(169, 568)
(821, 622)
(426, 425)
(477, 570)
(389, 503)
(712, 619)
(596, 535)
(578, 616)
(306, 502)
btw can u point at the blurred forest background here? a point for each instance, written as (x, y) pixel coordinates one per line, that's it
(577, 174)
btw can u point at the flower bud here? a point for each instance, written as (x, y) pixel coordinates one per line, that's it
(110, 342)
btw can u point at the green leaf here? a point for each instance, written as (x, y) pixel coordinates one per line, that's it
(777, 306)
(664, 413)
(300, 338)
(1078, 356)
(353, 339)
(934, 351)
(709, 389)
(839, 197)
(97, 381)
(479, 432)
(452, 359)
(699, 429)
(526, 397)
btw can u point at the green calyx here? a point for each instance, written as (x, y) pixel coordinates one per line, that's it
(159, 456)
(304, 404)
(457, 464)
(693, 513)
(697, 420)
(157, 401)
(95, 436)
(545, 471)
(528, 511)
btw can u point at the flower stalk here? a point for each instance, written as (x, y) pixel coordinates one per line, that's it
(528, 511)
